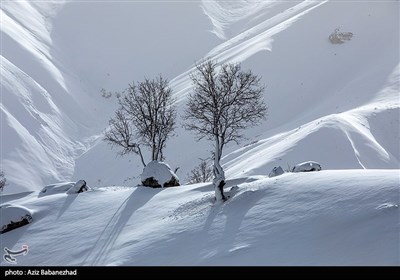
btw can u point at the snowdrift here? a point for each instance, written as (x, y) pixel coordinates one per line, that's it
(335, 103)
(318, 218)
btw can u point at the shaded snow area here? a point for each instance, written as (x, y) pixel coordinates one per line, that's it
(336, 104)
(332, 76)
(12, 216)
(316, 218)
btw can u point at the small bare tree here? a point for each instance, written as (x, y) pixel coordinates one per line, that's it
(3, 180)
(224, 102)
(201, 173)
(146, 116)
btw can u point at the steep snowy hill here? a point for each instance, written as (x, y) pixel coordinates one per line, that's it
(334, 103)
(321, 218)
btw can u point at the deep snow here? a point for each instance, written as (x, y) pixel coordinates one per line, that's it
(337, 104)
(318, 218)
(333, 103)
(12, 213)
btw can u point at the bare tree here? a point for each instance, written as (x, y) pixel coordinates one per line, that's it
(3, 180)
(201, 173)
(225, 101)
(146, 116)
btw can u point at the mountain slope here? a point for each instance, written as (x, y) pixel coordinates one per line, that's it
(321, 218)
(336, 104)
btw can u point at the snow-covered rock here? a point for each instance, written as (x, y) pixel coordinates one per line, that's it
(51, 74)
(62, 187)
(79, 187)
(276, 171)
(14, 216)
(307, 167)
(158, 174)
(65, 187)
(332, 217)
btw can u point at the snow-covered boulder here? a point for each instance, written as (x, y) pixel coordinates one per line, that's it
(158, 174)
(79, 187)
(276, 171)
(65, 187)
(13, 216)
(307, 167)
(62, 187)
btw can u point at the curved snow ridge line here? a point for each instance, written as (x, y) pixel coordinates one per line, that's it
(17, 164)
(367, 150)
(357, 120)
(20, 84)
(24, 15)
(390, 93)
(224, 13)
(37, 44)
(247, 44)
(286, 18)
(37, 102)
(34, 127)
(270, 149)
(358, 132)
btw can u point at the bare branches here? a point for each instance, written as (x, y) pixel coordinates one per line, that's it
(201, 173)
(224, 102)
(146, 116)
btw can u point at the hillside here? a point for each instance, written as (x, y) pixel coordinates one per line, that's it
(321, 218)
(333, 103)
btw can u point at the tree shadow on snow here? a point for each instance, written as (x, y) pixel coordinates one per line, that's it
(67, 203)
(229, 183)
(235, 211)
(9, 239)
(106, 240)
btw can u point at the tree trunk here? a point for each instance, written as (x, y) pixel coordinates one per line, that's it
(219, 174)
(141, 155)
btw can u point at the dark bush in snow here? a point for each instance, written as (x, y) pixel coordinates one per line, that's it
(338, 37)
(12, 217)
(307, 167)
(158, 174)
(2, 180)
(276, 171)
(201, 173)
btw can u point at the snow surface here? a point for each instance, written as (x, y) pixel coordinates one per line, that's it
(160, 171)
(12, 213)
(307, 166)
(331, 217)
(62, 187)
(337, 104)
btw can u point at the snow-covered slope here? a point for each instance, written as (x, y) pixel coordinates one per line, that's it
(46, 115)
(335, 104)
(320, 218)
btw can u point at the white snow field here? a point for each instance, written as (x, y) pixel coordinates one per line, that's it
(318, 218)
(335, 104)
